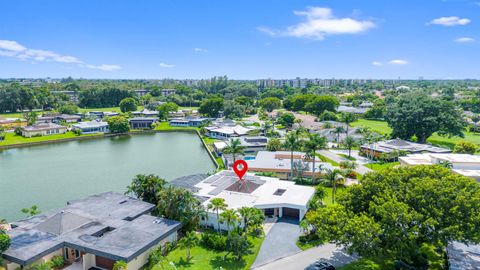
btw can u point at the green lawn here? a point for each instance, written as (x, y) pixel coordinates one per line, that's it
(11, 138)
(166, 126)
(203, 258)
(328, 199)
(382, 128)
(382, 166)
(366, 264)
(325, 159)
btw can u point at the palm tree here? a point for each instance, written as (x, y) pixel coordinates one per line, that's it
(230, 217)
(32, 211)
(337, 131)
(315, 142)
(245, 213)
(348, 118)
(291, 143)
(350, 142)
(235, 147)
(332, 177)
(217, 204)
(188, 241)
(252, 217)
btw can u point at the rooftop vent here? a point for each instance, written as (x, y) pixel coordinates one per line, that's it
(102, 232)
(279, 192)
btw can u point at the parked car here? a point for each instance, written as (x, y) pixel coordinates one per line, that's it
(320, 265)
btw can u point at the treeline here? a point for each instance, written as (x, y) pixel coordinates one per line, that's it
(15, 97)
(103, 97)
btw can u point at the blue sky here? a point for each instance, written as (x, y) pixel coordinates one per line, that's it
(243, 39)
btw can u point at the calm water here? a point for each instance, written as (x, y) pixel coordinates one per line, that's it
(50, 175)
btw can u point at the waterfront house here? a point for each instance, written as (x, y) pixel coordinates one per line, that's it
(45, 119)
(279, 162)
(188, 121)
(225, 128)
(146, 113)
(42, 129)
(389, 146)
(101, 115)
(273, 196)
(142, 122)
(91, 127)
(252, 144)
(91, 233)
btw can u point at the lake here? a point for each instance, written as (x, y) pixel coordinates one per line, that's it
(50, 175)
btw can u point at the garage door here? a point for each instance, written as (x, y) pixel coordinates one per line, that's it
(291, 212)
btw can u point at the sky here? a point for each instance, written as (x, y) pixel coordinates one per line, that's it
(243, 39)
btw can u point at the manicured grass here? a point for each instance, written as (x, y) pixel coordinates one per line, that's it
(347, 157)
(310, 244)
(366, 264)
(166, 126)
(202, 258)
(380, 127)
(110, 109)
(382, 166)
(328, 199)
(11, 138)
(325, 159)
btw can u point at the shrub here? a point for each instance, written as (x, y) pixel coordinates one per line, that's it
(57, 261)
(464, 147)
(214, 241)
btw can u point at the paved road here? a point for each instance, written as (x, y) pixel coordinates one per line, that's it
(279, 242)
(328, 252)
(329, 154)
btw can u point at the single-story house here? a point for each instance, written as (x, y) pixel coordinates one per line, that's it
(252, 144)
(349, 109)
(45, 119)
(91, 127)
(275, 197)
(142, 122)
(67, 118)
(279, 162)
(12, 123)
(464, 164)
(42, 129)
(101, 115)
(168, 92)
(94, 232)
(389, 146)
(146, 113)
(188, 122)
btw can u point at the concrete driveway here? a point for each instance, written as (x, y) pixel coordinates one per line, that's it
(328, 252)
(279, 242)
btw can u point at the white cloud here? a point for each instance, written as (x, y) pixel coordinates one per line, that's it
(376, 63)
(398, 62)
(10, 48)
(200, 50)
(164, 65)
(464, 40)
(105, 67)
(320, 22)
(450, 21)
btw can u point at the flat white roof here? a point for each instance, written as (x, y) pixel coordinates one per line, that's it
(219, 186)
(427, 159)
(280, 160)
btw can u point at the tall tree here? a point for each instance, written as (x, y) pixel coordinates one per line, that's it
(348, 118)
(291, 143)
(315, 143)
(420, 115)
(187, 242)
(211, 107)
(234, 148)
(217, 204)
(350, 143)
(230, 217)
(337, 131)
(146, 187)
(331, 177)
(395, 214)
(270, 103)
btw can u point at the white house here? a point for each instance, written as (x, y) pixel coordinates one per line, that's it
(464, 164)
(275, 197)
(91, 127)
(42, 129)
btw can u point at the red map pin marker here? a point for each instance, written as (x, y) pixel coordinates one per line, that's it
(240, 167)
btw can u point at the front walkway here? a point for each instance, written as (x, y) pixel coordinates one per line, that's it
(279, 242)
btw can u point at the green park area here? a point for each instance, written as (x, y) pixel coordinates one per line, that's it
(382, 127)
